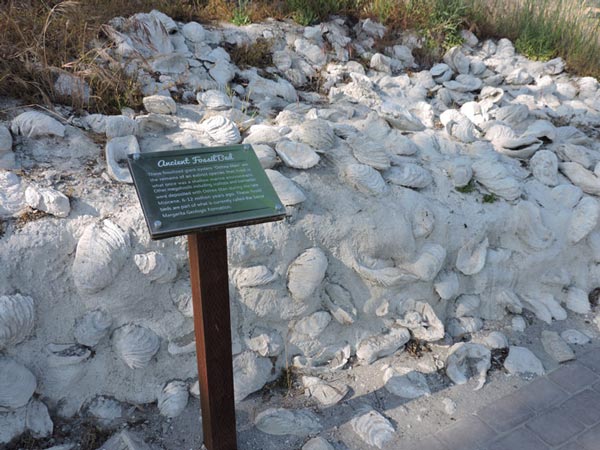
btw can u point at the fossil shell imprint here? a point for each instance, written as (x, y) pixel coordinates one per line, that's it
(136, 345)
(317, 133)
(429, 262)
(584, 219)
(370, 152)
(326, 394)
(101, 252)
(214, 100)
(339, 303)
(173, 398)
(17, 384)
(496, 178)
(409, 175)
(297, 155)
(92, 327)
(544, 166)
(286, 189)
(471, 257)
(378, 346)
(373, 428)
(17, 319)
(405, 384)
(222, 130)
(156, 266)
(254, 276)
(365, 179)
(581, 177)
(422, 321)
(306, 273)
(280, 421)
(530, 229)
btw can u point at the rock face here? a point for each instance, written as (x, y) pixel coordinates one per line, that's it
(396, 230)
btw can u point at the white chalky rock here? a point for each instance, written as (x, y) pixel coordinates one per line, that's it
(449, 406)
(317, 443)
(584, 219)
(136, 345)
(119, 126)
(306, 273)
(326, 394)
(556, 347)
(297, 155)
(222, 72)
(574, 153)
(575, 337)
(313, 53)
(495, 340)
(365, 179)
(373, 428)
(441, 72)
(581, 177)
(471, 257)
(422, 321)
(370, 152)
(429, 262)
(447, 285)
(48, 200)
(339, 303)
(317, 133)
(17, 384)
(544, 306)
(513, 114)
(286, 189)
(460, 172)
(34, 124)
(459, 327)
(159, 104)
(577, 301)
(266, 155)
(457, 60)
(125, 440)
(518, 77)
(254, 276)
(423, 222)
(156, 266)
(214, 100)
(521, 361)
(518, 324)
(544, 165)
(101, 253)
(265, 342)
(505, 141)
(409, 175)
(262, 134)
(466, 360)
(194, 32)
(250, 373)
(173, 398)
(17, 319)
(381, 63)
(495, 177)
(38, 420)
(464, 83)
(529, 227)
(222, 130)
(280, 421)
(405, 383)
(117, 150)
(467, 305)
(378, 346)
(7, 157)
(105, 410)
(314, 324)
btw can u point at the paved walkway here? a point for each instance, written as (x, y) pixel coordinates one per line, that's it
(558, 411)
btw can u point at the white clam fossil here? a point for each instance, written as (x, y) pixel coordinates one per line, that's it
(378, 346)
(327, 360)
(457, 60)
(313, 325)
(280, 421)
(400, 117)
(529, 227)
(17, 384)
(464, 83)
(66, 366)
(460, 171)
(254, 276)
(250, 373)
(214, 100)
(495, 177)
(116, 153)
(156, 266)
(370, 152)
(17, 319)
(429, 262)
(409, 175)
(373, 429)
(339, 303)
(544, 166)
(297, 155)
(136, 345)
(101, 252)
(466, 360)
(405, 383)
(423, 222)
(471, 256)
(35, 124)
(513, 114)
(265, 342)
(365, 179)
(569, 152)
(422, 321)
(173, 398)
(317, 133)
(306, 273)
(584, 219)
(221, 130)
(92, 328)
(581, 177)
(544, 306)
(505, 141)
(289, 193)
(447, 285)
(325, 393)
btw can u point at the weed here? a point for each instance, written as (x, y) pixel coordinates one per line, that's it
(468, 189)
(499, 355)
(257, 54)
(241, 15)
(489, 198)
(30, 215)
(416, 347)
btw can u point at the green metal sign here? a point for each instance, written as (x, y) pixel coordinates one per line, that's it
(187, 191)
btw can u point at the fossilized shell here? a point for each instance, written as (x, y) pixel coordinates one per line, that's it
(409, 175)
(326, 394)
(317, 443)
(584, 219)
(578, 301)
(65, 366)
(317, 133)
(505, 141)
(378, 346)
(116, 152)
(373, 428)
(544, 306)
(17, 384)
(466, 360)
(579, 176)
(327, 360)
(386, 276)
(48, 200)
(429, 262)
(422, 321)
(92, 327)
(222, 130)
(266, 155)
(471, 257)
(495, 177)
(36, 124)
(464, 83)
(513, 114)
(370, 152)
(314, 324)
(280, 421)
(493, 307)
(423, 222)
(400, 117)
(574, 153)
(339, 303)
(529, 227)
(544, 166)
(542, 129)
(181, 295)
(460, 171)
(365, 179)
(447, 285)
(406, 383)
(297, 155)
(441, 72)
(265, 342)
(17, 319)
(101, 252)
(136, 345)
(286, 189)
(262, 134)
(38, 420)
(250, 373)
(254, 276)
(459, 126)
(306, 273)
(173, 398)
(12, 198)
(214, 100)
(156, 266)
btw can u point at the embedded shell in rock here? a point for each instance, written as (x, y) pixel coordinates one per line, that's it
(409, 175)
(17, 319)
(373, 428)
(378, 346)
(92, 328)
(286, 189)
(406, 383)
(306, 273)
(471, 257)
(17, 384)
(495, 177)
(326, 394)
(221, 130)
(101, 252)
(365, 179)
(173, 398)
(467, 359)
(297, 155)
(317, 133)
(136, 345)
(584, 219)
(35, 124)
(280, 421)
(156, 266)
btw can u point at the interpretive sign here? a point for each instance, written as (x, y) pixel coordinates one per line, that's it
(183, 191)
(202, 192)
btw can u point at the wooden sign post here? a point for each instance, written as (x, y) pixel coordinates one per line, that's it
(201, 193)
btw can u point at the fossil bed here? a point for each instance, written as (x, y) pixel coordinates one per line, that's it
(454, 208)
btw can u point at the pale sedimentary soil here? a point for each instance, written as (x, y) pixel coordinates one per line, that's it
(453, 208)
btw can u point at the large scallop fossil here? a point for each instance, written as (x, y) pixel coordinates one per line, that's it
(173, 398)
(373, 428)
(136, 345)
(17, 384)
(156, 266)
(365, 179)
(17, 319)
(306, 273)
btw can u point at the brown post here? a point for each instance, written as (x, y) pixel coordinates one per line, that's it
(210, 293)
